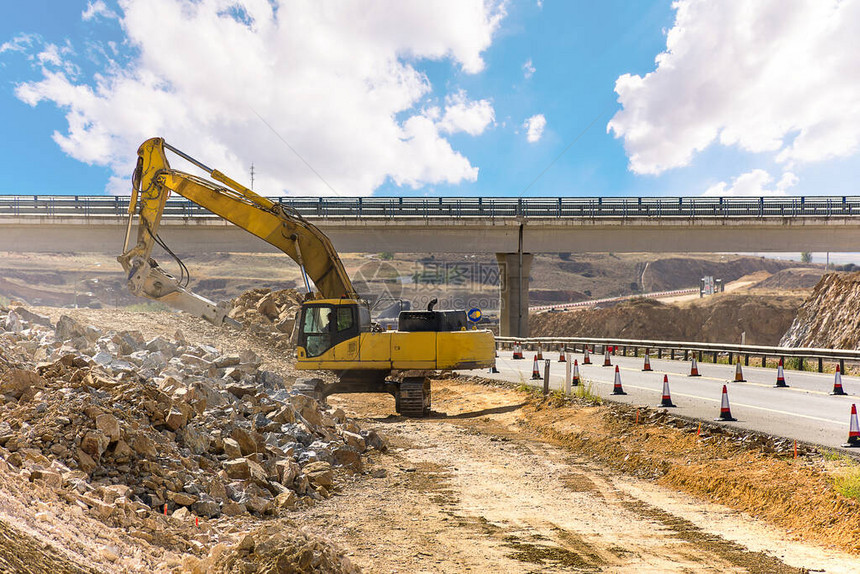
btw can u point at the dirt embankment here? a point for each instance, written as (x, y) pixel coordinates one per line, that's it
(679, 272)
(830, 317)
(721, 318)
(796, 279)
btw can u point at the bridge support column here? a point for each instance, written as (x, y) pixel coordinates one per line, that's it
(514, 271)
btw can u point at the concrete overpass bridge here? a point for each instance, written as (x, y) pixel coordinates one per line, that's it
(512, 228)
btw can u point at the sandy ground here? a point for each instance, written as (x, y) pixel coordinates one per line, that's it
(473, 491)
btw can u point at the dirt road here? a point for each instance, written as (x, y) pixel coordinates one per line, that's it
(471, 491)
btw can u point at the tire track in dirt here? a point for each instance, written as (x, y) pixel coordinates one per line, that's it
(470, 492)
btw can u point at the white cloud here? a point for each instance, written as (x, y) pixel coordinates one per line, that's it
(95, 9)
(463, 115)
(534, 127)
(754, 184)
(20, 43)
(340, 85)
(774, 76)
(528, 69)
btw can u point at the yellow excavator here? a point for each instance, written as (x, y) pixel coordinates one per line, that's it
(335, 331)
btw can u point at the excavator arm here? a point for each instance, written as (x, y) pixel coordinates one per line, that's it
(152, 183)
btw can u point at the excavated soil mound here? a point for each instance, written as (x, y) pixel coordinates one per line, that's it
(678, 272)
(830, 317)
(718, 319)
(791, 279)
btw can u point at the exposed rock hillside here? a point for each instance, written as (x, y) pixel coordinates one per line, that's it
(830, 317)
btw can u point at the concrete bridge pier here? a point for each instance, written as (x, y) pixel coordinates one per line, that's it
(514, 271)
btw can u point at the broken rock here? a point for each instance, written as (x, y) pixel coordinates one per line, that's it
(237, 469)
(109, 425)
(17, 382)
(175, 419)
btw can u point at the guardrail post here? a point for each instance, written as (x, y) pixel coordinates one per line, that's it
(701, 356)
(568, 376)
(672, 354)
(659, 352)
(746, 360)
(841, 365)
(715, 357)
(546, 377)
(800, 366)
(820, 365)
(731, 358)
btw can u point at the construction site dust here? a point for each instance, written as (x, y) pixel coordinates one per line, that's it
(142, 440)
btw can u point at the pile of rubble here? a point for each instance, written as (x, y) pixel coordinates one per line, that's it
(128, 428)
(268, 314)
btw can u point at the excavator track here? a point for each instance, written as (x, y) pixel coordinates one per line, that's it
(415, 397)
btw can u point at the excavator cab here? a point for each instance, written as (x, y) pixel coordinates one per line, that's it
(325, 324)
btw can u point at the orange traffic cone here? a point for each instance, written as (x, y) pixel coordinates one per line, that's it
(647, 366)
(854, 430)
(739, 374)
(616, 388)
(561, 353)
(606, 361)
(694, 368)
(837, 384)
(518, 351)
(780, 375)
(540, 353)
(586, 357)
(536, 370)
(575, 378)
(725, 411)
(666, 400)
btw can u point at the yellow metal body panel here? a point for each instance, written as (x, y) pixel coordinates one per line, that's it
(465, 350)
(413, 350)
(397, 350)
(375, 350)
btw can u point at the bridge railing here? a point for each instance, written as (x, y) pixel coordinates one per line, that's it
(464, 207)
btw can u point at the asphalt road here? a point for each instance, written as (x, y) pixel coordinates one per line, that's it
(805, 411)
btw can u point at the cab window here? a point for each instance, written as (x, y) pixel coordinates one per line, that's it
(317, 320)
(316, 329)
(344, 319)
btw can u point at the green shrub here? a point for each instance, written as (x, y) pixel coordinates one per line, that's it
(848, 484)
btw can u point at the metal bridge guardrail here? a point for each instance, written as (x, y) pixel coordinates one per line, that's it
(841, 355)
(463, 207)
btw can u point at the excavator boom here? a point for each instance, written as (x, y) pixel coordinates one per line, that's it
(154, 180)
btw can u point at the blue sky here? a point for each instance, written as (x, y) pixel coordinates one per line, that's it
(403, 98)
